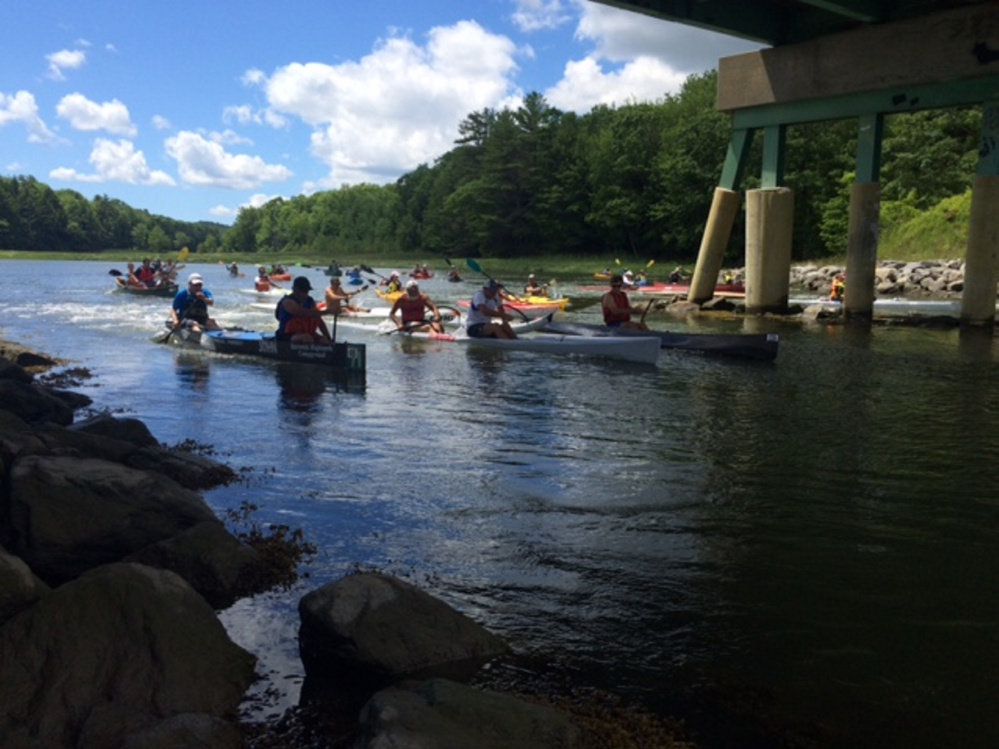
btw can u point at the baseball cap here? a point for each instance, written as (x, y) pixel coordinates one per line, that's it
(194, 278)
(412, 284)
(301, 282)
(491, 285)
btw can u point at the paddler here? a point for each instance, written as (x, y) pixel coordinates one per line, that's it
(533, 288)
(336, 298)
(617, 308)
(412, 308)
(299, 320)
(486, 317)
(190, 306)
(838, 288)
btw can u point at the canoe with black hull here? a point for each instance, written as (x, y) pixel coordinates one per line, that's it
(762, 346)
(633, 349)
(348, 357)
(161, 290)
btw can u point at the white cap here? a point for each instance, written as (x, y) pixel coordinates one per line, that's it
(194, 278)
(412, 284)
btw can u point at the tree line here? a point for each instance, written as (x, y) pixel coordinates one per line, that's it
(633, 180)
(34, 217)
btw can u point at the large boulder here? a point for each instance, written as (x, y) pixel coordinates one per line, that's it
(33, 404)
(19, 589)
(68, 515)
(112, 654)
(378, 626)
(445, 715)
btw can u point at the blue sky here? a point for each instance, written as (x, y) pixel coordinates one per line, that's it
(195, 109)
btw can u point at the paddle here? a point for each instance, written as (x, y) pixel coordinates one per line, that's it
(369, 269)
(641, 320)
(478, 269)
(165, 336)
(115, 272)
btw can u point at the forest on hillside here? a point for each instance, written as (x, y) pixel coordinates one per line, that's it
(633, 180)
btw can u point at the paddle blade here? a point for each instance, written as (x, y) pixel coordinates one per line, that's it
(182, 255)
(163, 337)
(115, 272)
(617, 261)
(650, 263)
(448, 263)
(474, 265)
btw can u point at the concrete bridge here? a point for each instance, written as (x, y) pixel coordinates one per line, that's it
(833, 60)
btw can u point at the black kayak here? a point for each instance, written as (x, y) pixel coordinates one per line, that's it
(762, 346)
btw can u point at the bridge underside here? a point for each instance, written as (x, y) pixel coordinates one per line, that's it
(846, 59)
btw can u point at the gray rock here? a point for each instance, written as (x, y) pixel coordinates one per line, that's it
(124, 640)
(440, 714)
(67, 515)
(376, 624)
(19, 589)
(32, 404)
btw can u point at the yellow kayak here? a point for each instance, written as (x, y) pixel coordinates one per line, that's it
(390, 296)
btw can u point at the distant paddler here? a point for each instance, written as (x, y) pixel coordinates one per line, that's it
(617, 308)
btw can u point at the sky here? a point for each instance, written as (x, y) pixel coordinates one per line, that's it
(193, 110)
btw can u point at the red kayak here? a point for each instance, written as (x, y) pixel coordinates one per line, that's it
(680, 289)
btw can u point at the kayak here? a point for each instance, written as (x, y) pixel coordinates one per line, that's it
(379, 312)
(529, 304)
(679, 289)
(643, 350)
(166, 289)
(279, 276)
(388, 327)
(342, 356)
(273, 292)
(421, 275)
(390, 296)
(763, 346)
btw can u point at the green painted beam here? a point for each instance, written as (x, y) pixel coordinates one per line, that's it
(774, 138)
(890, 101)
(735, 160)
(988, 150)
(869, 136)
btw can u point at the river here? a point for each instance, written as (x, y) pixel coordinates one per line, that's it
(817, 536)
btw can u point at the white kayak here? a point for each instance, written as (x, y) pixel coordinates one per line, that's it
(379, 313)
(387, 327)
(644, 350)
(270, 293)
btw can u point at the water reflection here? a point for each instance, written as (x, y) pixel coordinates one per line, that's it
(300, 386)
(192, 370)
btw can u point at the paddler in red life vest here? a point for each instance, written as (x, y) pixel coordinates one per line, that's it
(412, 307)
(618, 310)
(838, 288)
(299, 320)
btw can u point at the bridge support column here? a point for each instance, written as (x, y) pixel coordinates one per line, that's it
(717, 232)
(862, 249)
(981, 270)
(769, 230)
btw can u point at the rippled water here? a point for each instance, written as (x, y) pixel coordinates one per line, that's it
(817, 536)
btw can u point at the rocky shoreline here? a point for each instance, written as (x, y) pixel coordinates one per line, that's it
(112, 569)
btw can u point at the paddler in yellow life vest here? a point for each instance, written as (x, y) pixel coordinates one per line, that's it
(838, 288)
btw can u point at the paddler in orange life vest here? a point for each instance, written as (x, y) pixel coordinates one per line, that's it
(618, 310)
(263, 282)
(412, 307)
(299, 320)
(838, 288)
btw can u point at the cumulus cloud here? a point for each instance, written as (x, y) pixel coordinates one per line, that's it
(205, 163)
(115, 162)
(67, 59)
(21, 107)
(161, 123)
(620, 36)
(534, 15)
(84, 114)
(245, 115)
(400, 105)
(585, 84)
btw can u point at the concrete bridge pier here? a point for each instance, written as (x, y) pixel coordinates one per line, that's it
(862, 249)
(717, 232)
(981, 272)
(769, 230)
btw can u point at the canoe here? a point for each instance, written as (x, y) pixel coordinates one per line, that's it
(678, 289)
(168, 289)
(342, 356)
(387, 327)
(762, 346)
(643, 350)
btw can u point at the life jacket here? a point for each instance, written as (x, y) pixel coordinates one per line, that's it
(289, 324)
(196, 309)
(412, 309)
(616, 316)
(145, 275)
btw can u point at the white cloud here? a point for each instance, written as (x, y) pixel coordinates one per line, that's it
(228, 138)
(620, 36)
(584, 84)
(161, 123)
(84, 114)
(534, 15)
(205, 163)
(256, 200)
(65, 59)
(116, 162)
(400, 105)
(245, 115)
(21, 107)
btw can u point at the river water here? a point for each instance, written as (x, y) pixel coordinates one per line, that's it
(813, 541)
